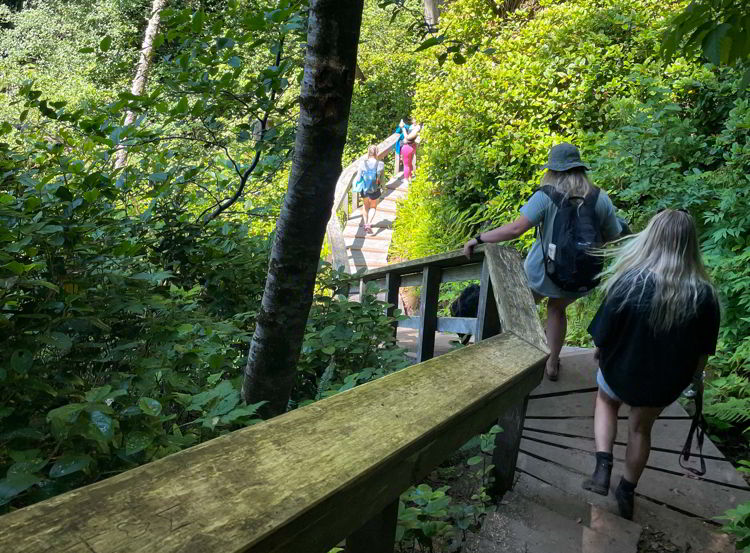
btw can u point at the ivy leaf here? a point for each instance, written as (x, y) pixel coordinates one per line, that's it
(150, 406)
(69, 463)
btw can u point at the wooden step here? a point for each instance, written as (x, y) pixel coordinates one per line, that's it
(681, 529)
(523, 526)
(697, 497)
(624, 532)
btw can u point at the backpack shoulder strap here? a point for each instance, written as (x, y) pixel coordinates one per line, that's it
(553, 194)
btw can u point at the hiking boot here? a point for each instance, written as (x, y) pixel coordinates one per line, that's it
(599, 481)
(625, 495)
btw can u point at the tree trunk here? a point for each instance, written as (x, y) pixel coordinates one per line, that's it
(141, 72)
(325, 100)
(432, 13)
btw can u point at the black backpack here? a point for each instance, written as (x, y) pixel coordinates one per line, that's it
(568, 258)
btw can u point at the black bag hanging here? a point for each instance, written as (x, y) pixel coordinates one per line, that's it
(569, 261)
(696, 429)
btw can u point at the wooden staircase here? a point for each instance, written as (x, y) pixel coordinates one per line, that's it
(370, 251)
(549, 512)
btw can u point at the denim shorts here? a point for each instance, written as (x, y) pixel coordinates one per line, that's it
(604, 387)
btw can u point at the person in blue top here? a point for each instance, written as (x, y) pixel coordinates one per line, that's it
(566, 177)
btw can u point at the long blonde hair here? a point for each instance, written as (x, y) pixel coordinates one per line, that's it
(667, 252)
(372, 151)
(572, 183)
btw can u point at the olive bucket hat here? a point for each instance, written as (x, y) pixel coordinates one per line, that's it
(563, 157)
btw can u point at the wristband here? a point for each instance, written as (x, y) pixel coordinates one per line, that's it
(478, 238)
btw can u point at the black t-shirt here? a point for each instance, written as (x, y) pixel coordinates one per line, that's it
(646, 368)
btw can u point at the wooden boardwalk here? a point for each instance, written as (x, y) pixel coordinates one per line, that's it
(556, 454)
(370, 251)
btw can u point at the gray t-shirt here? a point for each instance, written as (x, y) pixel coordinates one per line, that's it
(541, 209)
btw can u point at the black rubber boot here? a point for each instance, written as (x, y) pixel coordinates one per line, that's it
(625, 495)
(599, 481)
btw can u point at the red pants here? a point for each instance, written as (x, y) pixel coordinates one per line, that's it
(407, 156)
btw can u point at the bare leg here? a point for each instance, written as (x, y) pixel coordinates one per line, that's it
(605, 422)
(640, 423)
(397, 167)
(557, 325)
(374, 204)
(365, 211)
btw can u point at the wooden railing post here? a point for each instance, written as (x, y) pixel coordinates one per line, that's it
(377, 535)
(428, 312)
(488, 321)
(392, 284)
(396, 159)
(507, 443)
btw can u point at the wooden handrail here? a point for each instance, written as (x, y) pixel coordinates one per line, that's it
(343, 186)
(303, 481)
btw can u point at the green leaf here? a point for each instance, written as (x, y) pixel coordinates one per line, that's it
(430, 42)
(69, 463)
(150, 406)
(57, 340)
(104, 424)
(235, 62)
(329, 350)
(86, 50)
(15, 484)
(716, 44)
(158, 177)
(105, 43)
(21, 361)
(137, 441)
(96, 395)
(471, 461)
(745, 81)
(67, 413)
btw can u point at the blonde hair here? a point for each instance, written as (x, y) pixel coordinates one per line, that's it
(666, 252)
(372, 151)
(572, 183)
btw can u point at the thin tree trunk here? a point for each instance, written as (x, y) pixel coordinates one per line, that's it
(333, 36)
(141, 73)
(431, 13)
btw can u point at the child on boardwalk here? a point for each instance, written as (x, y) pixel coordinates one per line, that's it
(367, 183)
(654, 332)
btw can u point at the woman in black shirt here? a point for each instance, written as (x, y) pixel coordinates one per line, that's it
(654, 331)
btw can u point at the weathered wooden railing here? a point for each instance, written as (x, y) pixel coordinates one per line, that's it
(341, 203)
(504, 298)
(333, 470)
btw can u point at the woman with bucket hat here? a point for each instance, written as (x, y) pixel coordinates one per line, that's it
(572, 217)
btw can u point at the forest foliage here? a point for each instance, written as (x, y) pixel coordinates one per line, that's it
(658, 132)
(126, 307)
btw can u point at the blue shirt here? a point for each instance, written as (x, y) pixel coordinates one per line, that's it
(541, 209)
